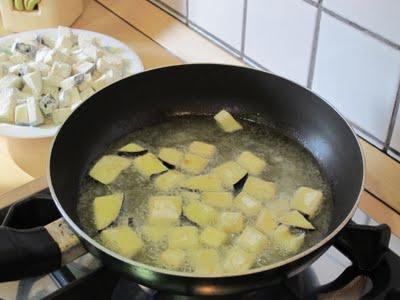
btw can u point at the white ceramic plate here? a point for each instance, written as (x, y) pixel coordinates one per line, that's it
(27, 132)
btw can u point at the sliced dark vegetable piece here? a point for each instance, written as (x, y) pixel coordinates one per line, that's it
(132, 149)
(296, 219)
(239, 184)
(171, 157)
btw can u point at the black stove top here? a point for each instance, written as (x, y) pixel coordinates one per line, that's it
(369, 274)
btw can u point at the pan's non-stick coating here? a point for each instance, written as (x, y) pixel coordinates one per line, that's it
(152, 96)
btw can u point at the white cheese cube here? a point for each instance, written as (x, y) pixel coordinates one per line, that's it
(61, 69)
(205, 261)
(79, 56)
(61, 114)
(93, 52)
(307, 201)
(266, 221)
(218, 199)
(252, 240)
(238, 260)
(103, 81)
(41, 67)
(164, 210)
(169, 180)
(107, 168)
(173, 258)
(34, 113)
(102, 65)
(3, 57)
(201, 214)
(63, 31)
(230, 173)
(7, 105)
(287, 241)
(202, 149)
(84, 41)
(86, 83)
(247, 204)
(193, 164)
(213, 237)
(231, 222)
(83, 67)
(20, 69)
(19, 58)
(63, 42)
(183, 237)
(106, 209)
(56, 55)
(227, 122)
(171, 156)
(295, 219)
(52, 80)
(253, 164)
(204, 183)
(69, 97)
(122, 240)
(259, 189)
(11, 81)
(34, 82)
(41, 54)
(72, 81)
(86, 94)
(21, 115)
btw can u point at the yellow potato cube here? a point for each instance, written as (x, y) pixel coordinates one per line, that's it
(307, 200)
(231, 222)
(189, 196)
(149, 164)
(184, 237)
(204, 183)
(107, 168)
(106, 209)
(248, 205)
(253, 164)
(193, 164)
(122, 240)
(218, 199)
(252, 240)
(238, 260)
(202, 149)
(266, 221)
(173, 258)
(278, 207)
(227, 122)
(171, 156)
(286, 240)
(295, 219)
(213, 237)
(230, 173)
(259, 189)
(132, 148)
(155, 233)
(199, 213)
(206, 261)
(169, 180)
(164, 210)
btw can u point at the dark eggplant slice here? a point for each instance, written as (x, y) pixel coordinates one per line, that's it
(132, 150)
(170, 157)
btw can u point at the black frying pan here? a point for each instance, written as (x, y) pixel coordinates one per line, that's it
(152, 97)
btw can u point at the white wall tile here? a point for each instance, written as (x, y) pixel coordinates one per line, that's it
(177, 5)
(222, 18)
(357, 74)
(279, 35)
(379, 16)
(395, 142)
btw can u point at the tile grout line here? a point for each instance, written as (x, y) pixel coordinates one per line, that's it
(244, 26)
(314, 50)
(366, 133)
(312, 2)
(392, 120)
(361, 28)
(213, 38)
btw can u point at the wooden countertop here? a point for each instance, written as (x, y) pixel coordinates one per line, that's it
(160, 40)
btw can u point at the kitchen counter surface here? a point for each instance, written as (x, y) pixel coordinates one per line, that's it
(160, 40)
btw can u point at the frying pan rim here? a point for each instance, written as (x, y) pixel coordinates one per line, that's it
(136, 264)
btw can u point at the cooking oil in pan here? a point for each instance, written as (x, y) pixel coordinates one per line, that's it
(289, 166)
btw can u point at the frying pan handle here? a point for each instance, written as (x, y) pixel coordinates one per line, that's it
(37, 251)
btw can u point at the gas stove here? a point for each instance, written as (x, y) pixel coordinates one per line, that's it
(368, 274)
